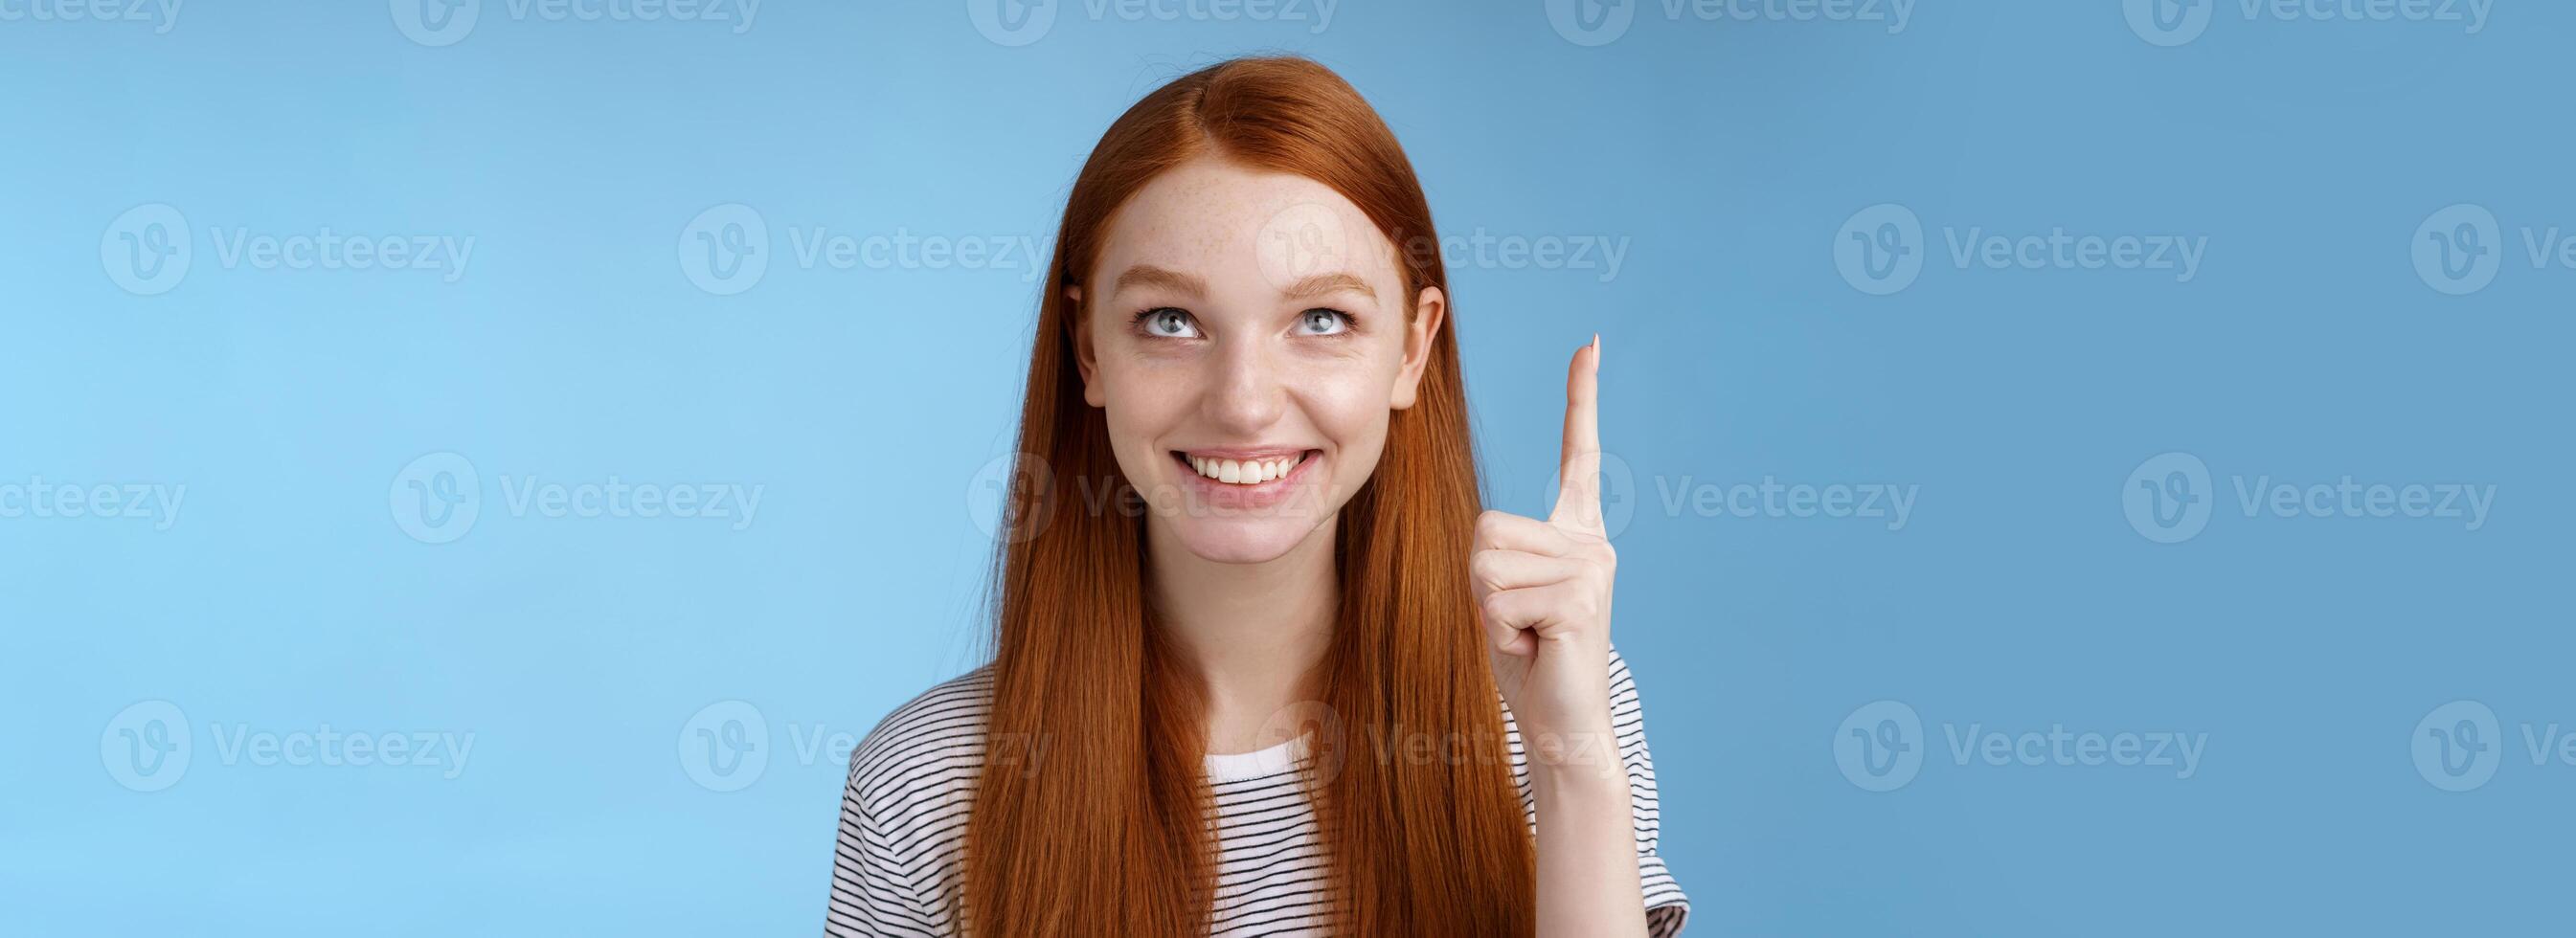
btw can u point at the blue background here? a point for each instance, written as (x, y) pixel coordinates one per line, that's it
(286, 593)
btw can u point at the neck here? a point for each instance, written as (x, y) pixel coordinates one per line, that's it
(1254, 630)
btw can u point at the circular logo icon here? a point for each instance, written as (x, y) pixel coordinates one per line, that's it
(1301, 241)
(146, 250)
(1591, 22)
(2458, 746)
(725, 746)
(1012, 497)
(2458, 250)
(436, 498)
(1618, 493)
(1879, 747)
(1012, 23)
(2167, 498)
(2168, 22)
(725, 249)
(146, 747)
(436, 23)
(1879, 250)
(1319, 725)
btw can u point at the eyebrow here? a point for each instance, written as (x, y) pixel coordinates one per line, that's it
(1323, 284)
(1148, 275)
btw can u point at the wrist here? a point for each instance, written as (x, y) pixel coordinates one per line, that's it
(1580, 761)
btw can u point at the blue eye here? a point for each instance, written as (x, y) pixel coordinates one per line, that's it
(1320, 321)
(1164, 322)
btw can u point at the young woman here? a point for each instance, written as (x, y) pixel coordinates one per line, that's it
(1262, 666)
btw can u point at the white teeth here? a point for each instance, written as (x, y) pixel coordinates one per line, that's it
(1245, 472)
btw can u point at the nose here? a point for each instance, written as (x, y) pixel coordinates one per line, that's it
(1246, 393)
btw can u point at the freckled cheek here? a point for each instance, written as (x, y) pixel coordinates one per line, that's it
(1347, 403)
(1145, 402)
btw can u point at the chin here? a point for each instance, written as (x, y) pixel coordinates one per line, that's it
(1241, 540)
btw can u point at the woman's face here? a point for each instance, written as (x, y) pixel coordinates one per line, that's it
(1246, 334)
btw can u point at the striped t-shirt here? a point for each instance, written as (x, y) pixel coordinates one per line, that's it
(903, 822)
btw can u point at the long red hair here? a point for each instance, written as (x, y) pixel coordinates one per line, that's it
(1106, 830)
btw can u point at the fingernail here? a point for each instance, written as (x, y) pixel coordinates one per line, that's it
(1596, 346)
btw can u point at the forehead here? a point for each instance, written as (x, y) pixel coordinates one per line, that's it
(1209, 214)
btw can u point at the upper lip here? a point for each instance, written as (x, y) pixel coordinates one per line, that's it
(1241, 453)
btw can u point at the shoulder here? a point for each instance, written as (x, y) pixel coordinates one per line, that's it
(924, 749)
(903, 813)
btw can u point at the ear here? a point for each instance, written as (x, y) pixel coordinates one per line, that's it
(1428, 309)
(1084, 358)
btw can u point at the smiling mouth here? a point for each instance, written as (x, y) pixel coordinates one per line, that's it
(1243, 471)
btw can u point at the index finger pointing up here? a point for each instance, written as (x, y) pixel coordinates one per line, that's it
(1578, 494)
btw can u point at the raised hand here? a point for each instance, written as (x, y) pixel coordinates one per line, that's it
(1543, 592)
